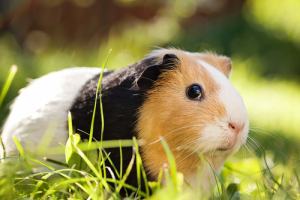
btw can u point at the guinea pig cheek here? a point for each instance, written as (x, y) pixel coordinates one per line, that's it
(228, 131)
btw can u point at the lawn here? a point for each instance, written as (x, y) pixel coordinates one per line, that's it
(265, 168)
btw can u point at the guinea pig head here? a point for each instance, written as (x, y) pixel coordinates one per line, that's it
(192, 105)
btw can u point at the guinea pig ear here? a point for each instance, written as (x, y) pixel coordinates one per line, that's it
(226, 66)
(151, 73)
(169, 60)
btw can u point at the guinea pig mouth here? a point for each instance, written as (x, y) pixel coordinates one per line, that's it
(223, 149)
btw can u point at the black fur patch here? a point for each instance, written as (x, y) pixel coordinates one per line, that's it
(120, 103)
(121, 99)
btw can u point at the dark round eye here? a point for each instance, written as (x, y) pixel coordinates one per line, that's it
(194, 92)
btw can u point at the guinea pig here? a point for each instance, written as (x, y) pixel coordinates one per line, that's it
(185, 98)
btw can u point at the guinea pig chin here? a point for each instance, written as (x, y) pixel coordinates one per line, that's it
(217, 139)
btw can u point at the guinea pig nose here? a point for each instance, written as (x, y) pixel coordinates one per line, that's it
(235, 127)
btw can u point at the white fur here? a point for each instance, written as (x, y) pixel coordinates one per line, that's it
(234, 104)
(44, 101)
(217, 133)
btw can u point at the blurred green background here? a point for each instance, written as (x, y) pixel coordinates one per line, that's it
(261, 36)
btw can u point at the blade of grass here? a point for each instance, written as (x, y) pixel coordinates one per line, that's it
(103, 164)
(47, 137)
(55, 162)
(140, 166)
(121, 165)
(258, 189)
(39, 184)
(92, 167)
(21, 151)
(70, 125)
(121, 159)
(76, 183)
(11, 74)
(171, 161)
(106, 154)
(95, 105)
(128, 170)
(100, 95)
(159, 178)
(3, 147)
(94, 145)
(37, 161)
(127, 186)
(101, 150)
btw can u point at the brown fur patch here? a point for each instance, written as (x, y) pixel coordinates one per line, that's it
(168, 113)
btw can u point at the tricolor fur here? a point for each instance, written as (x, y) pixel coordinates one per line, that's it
(190, 126)
(148, 100)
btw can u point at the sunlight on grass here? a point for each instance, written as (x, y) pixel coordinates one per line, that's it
(247, 178)
(273, 104)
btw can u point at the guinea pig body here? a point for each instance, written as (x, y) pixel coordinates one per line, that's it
(43, 105)
(185, 98)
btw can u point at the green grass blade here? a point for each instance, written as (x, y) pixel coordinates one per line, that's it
(159, 178)
(78, 184)
(103, 164)
(70, 125)
(128, 170)
(258, 189)
(121, 159)
(11, 74)
(171, 161)
(56, 162)
(37, 161)
(94, 145)
(95, 105)
(47, 137)
(92, 167)
(3, 147)
(140, 166)
(100, 96)
(39, 184)
(19, 146)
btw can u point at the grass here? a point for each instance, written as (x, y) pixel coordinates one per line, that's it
(266, 171)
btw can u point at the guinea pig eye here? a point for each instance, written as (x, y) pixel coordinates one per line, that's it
(194, 92)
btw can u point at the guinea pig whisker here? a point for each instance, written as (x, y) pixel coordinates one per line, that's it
(173, 132)
(259, 99)
(251, 138)
(259, 129)
(194, 152)
(249, 150)
(243, 150)
(249, 85)
(257, 144)
(186, 148)
(183, 147)
(188, 155)
(203, 110)
(219, 144)
(195, 161)
(260, 116)
(260, 134)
